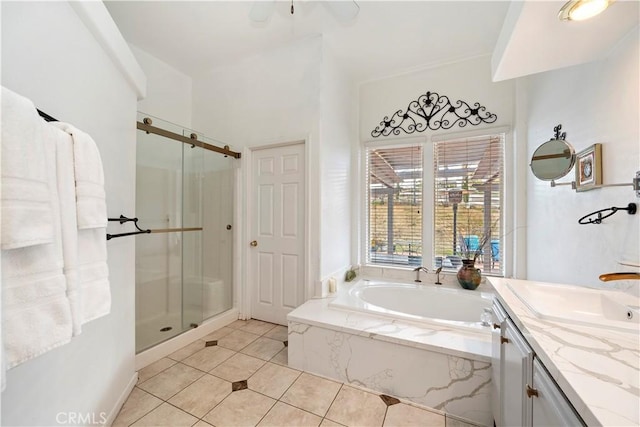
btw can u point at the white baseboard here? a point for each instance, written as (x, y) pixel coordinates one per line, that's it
(121, 399)
(164, 349)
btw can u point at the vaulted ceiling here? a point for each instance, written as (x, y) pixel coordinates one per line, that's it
(386, 37)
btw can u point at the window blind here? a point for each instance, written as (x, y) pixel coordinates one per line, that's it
(394, 205)
(468, 202)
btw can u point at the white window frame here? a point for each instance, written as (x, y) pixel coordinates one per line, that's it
(427, 141)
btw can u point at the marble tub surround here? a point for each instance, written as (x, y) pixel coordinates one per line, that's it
(432, 337)
(435, 366)
(244, 390)
(597, 369)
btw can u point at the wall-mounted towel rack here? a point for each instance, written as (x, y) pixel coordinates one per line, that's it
(46, 117)
(122, 219)
(597, 216)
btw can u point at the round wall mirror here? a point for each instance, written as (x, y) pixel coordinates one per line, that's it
(553, 159)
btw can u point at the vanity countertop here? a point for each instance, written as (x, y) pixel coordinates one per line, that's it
(597, 369)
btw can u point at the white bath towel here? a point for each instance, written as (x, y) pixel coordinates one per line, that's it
(27, 217)
(89, 176)
(67, 202)
(91, 212)
(36, 315)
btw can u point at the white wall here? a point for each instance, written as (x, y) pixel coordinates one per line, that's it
(338, 125)
(469, 81)
(168, 90)
(49, 56)
(272, 97)
(595, 103)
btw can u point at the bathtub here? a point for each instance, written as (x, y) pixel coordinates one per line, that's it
(426, 304)
(422, 343)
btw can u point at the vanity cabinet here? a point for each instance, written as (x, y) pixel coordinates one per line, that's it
(524, 394)
(549, 405)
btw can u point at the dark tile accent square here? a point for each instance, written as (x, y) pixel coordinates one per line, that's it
(388, 400)
(239, 385)
(211, 343)
(286, 343)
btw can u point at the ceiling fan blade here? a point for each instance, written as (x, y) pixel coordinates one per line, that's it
(343, 11)
(262, 10)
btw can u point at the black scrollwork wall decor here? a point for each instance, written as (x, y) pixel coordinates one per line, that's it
(433, 111)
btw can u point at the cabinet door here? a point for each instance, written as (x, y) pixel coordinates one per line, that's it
(516, 374)
(550, 406)
(499, 318)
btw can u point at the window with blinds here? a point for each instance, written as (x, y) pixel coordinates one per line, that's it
(394, 205)
(468, 202)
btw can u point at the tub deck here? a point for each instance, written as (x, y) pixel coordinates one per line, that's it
(445, 368)
(432, 337)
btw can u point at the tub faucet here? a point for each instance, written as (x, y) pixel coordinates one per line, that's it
(619, 276)
(417, 270)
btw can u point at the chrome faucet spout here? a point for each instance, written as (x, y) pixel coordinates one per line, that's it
(417, 270)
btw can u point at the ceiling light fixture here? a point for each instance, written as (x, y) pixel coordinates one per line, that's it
(579, 10)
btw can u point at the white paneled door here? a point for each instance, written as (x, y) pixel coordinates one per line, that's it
(276, 253)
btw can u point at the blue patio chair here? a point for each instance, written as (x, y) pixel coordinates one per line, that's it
(495, 252)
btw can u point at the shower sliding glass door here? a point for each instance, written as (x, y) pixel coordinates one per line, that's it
(184, 194)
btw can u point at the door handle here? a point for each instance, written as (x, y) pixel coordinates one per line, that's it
(254, 243)
(496, 326)
(504, 340)
(531, 391)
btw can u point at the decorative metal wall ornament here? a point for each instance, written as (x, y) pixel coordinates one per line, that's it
(433, 111)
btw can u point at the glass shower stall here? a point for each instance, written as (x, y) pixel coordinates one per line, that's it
(184, 195)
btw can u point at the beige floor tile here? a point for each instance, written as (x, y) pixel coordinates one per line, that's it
(171, 381)
(237, 368)
(238, 324)
(201, 396)
(237, 340)
(454, 422)
(328, 423)
(282, 358)
(154, 369)
(208, 358)
(263, 348)
(311, 393)
(278, 332)
(138, 404)
(241, 408)
(273, 380)
(187, 350)
(356, 407)
(257, 327)
(166, 415)
(217, 334)
(283, 415)
(410, 416)
(202, 424)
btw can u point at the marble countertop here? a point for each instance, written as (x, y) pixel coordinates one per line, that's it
(597, 369)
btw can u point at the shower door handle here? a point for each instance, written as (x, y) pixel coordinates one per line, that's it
(254, 243)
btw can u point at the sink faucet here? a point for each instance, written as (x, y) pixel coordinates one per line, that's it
(619, 276)
(417, 270)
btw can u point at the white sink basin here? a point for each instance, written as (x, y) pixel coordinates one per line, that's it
(576, 304)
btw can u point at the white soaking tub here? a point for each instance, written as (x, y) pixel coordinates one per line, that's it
(457, 308)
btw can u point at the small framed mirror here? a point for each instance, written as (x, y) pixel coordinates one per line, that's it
(553, 159)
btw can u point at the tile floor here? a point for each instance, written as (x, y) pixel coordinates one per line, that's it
(238, 376)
